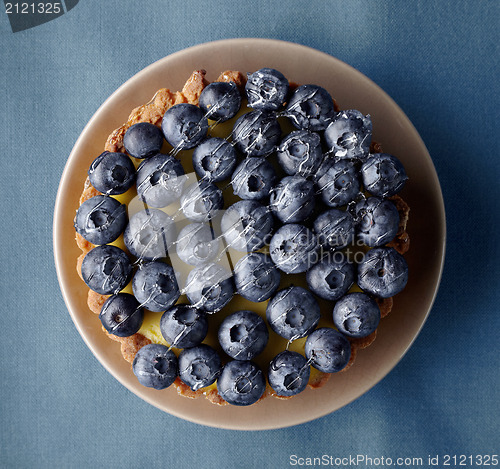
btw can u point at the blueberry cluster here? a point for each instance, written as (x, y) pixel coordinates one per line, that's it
(323, 192)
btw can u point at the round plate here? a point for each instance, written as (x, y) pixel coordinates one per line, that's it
(392, 128)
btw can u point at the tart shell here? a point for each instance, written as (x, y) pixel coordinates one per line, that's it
(153, 112)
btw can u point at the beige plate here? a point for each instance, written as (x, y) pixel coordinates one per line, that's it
(391, 127)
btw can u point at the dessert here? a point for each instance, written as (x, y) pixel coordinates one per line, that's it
(234, 266)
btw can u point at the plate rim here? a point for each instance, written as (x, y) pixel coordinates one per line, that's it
(249, 42)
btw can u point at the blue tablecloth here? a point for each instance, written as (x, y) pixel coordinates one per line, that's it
(438, 59)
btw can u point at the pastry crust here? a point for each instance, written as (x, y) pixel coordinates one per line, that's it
(401, 242)
(234, 76)
(129, 345)
(363, 342)
(95, 301)
(153, 112)
(385, 305)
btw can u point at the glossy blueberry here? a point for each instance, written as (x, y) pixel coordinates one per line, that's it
(328, 350)
(220, 101)
(294, 248)
(383, 175)
(247, 225)
(288, 373)
(214, 159)
(334, 228)
(377, 221)
(112, 173)
(160, 180)
(155, 286)
(196, 244)
(383, 272)
(267, 89)
(201, 201)
(256, 277)
(300, 153)
(356, 315)
(253, 179)
(349, 135)
(310, 108)
(241, 383)
(184, 126)
(293, 312)
(332, 277)
(143, 140)
(121, 315)
(101, 219)
(149, 234)
(199, 366)
(243, 335)
(209, 287)
(292, 199)
(155, 366)
(183, 326)
(106, 269)
(257, 133)
(338, 182)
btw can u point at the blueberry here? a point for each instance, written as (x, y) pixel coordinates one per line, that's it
(300, 153)
(155, 286)
(288, 373)
(334, 228)
(121, 315)
(184, 126)
(266, 89)
(292, 199)
(149, 234)
(112, 173)
(209, 287)
(101, 219)
(383, 175)
(331, 278)
(257, 133)
(160, 180)
(356, 315)
(220, 101)
(183, 326)
(243, 335)
(377, 221)
(253, 179)
(293, 312)
(241, 383)
(199, 366)
(310, 108)
(106, 269)
(349, 135)
(214, 159)
(143, 140)
(155, 366)
(196, 244)
(201, 201)
(293, 248)
(328, 350)
(256, 277)
(383, 272)
(247, 225)
(338, 182)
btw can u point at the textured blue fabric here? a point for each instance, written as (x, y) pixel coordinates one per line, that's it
(439, 60)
